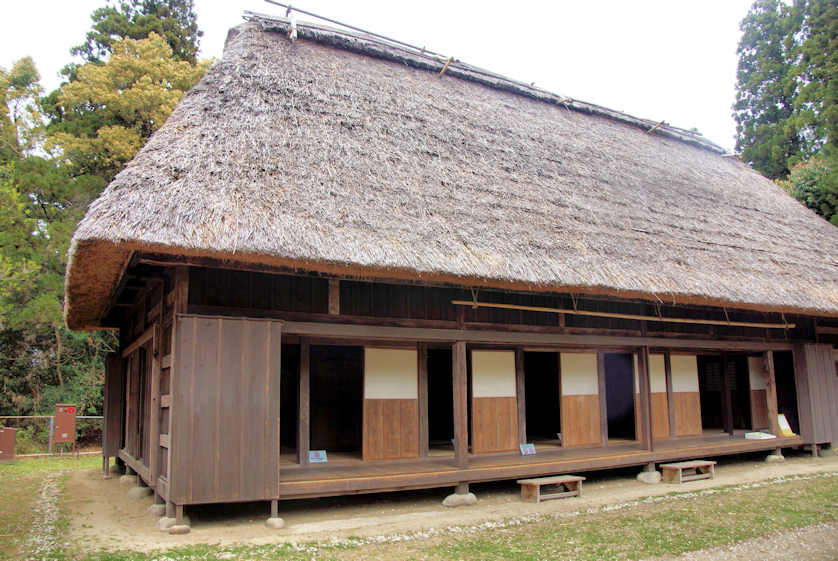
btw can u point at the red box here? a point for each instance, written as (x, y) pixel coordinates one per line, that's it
(7, 444)
(65, 424)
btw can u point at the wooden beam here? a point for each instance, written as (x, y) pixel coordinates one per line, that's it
(460, 405)
(771, 393)
(430, 335)
(520, 393)
(624, 316)
(147, 335)
(603, 400)
(643, 381)
(670, 397)
(727, 398)
(304, 420)
(424, 439)
(181, 290)
(334, 297)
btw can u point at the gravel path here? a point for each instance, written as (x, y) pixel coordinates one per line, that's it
(818, 542)
(42, 538)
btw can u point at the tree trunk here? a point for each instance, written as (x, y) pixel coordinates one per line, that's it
(58, 356)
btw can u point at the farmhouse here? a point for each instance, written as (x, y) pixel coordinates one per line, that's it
(342, 248)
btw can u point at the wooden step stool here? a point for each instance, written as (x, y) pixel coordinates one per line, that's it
(531, 488)
(693, 470)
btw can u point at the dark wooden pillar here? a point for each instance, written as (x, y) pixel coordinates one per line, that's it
(520, 392)
(334, 297)
(645, 388)
(771, 393)
(727, 401)
(670, 398)
(304, 420)
(603, 402)
(460, 405)
(177, 425)
(424, 437)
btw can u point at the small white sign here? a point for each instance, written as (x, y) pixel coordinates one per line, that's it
(527, 449)
(317, 457)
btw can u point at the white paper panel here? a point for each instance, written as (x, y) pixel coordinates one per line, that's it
(757, 373)
(493, 373)
(657, 373)
(391, 374)
(579, 374)
(684, 373)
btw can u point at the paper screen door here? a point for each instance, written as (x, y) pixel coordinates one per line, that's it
(685, 396)
(391, 404)
(494, 406)
(580, 400)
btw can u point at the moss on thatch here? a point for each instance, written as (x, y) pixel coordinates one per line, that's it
(314, 155)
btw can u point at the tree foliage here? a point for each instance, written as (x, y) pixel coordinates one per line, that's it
(174, 20)
(121, 103)
(57, 153)
(786, 94)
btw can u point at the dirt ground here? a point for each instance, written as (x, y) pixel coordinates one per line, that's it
(102, 516)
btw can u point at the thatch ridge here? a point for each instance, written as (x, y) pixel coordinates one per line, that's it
(310, 156)
(374, 47)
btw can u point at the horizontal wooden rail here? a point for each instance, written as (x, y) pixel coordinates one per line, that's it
(139, 342)
(623, 316)
(363, 333)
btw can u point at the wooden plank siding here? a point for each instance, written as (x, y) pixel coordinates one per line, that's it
(817, 393)
(209, 411)
(113, 429)
(226, 291)
(494, 423)
(391, 429)
(222, 451)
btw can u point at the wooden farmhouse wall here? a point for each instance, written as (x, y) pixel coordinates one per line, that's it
(817, 393)
(225, 406)
(114, 396)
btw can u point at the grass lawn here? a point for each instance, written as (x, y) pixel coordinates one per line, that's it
(671, 524)
(20, 483)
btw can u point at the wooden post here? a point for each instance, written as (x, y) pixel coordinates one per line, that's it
(771, 393)
(424, 439)
(334, 297)
(603, 404)
(520, 392)
(727, 402)
(304, 420)
(645, 398)
(154, 416)
(670, 397)
(460, 405)
(180, 303)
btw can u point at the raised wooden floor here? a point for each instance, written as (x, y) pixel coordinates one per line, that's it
(350, 476)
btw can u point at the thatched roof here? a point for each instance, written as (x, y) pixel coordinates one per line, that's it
(339, 154)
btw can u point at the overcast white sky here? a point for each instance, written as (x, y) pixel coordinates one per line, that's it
(657, 59)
